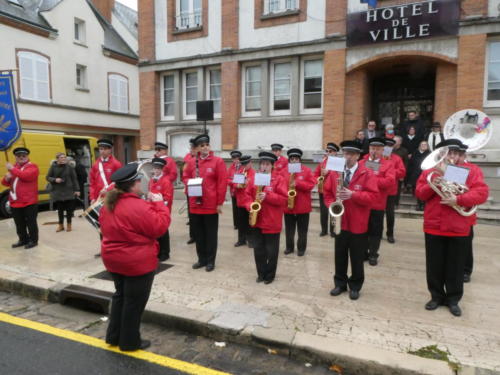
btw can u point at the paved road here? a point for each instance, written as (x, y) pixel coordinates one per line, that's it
(28, 347)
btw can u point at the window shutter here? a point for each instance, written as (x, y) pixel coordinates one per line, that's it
(27, 73)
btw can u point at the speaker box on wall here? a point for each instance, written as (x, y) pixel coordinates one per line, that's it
(205, 110)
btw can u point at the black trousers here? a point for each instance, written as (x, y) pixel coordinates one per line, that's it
(235, 212)
(299, 222)
(164, 242)
(127, 305)
(469, 257)
(190, 221)
(389, 214)
(324, 218)
(266, 251)
(375, 229)
(445, 262)
(65, 206)
(206, 229)
(26, 225)
(353, 246)
(242, 224)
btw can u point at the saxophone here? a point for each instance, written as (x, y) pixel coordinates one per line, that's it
(292, 193)
(243, 186)
(255, 208)
(336, 209)
(321, 184)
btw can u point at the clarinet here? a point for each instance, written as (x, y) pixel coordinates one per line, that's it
(197, 174)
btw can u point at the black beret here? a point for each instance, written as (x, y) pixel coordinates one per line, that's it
(376, 141)
(126, 173)
(163, 146)
(390, 142)
(350, 146)
(105, 143)
(235, 154)
(295, 152)
(332, 146)
(276, 146)
(202, 138)
(265, 155)
(450, 143)
(245, 159)
(159, 162)
(21, 150)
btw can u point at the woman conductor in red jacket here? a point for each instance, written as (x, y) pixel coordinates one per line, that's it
(130, 227)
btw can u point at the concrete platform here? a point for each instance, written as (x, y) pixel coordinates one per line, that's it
(295, 314)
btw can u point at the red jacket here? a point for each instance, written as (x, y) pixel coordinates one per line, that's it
(281, 165)
(400, 170)
(187, 158)
(304, 183)
(317, 171)
(213, 171)
(386, 175)
(170, 169)
(95, 180)
(231, 170)
(441, 219)
(357, 209)
(270, 218)
(240, 191)
(479, 172)
(164, 187)
(129, 244)
(23, 185)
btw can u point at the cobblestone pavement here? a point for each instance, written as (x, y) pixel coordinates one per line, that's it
(389, 315)
(233, 358)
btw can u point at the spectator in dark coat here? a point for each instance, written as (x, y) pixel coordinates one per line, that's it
(415, 121)
(414, 169)
(411, 140)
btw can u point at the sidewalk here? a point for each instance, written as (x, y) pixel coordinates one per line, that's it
(296, 310)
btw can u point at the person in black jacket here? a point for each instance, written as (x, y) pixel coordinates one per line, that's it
(414, 169)
(411, 140)
(415, 121)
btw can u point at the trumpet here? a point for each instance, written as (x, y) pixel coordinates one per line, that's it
(255, 208)
(321, 183)
(336, 209)
(292, 193)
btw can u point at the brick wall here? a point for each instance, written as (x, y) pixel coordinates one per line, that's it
(470, 8)
(259, 22)
(470, 71)
(230, 24)
(333, 101)
(150, 108)
(357, 103)
(119, 148)
(231, 103)
(146, 29)
(335, 17)
(105, 7)
(445, 102)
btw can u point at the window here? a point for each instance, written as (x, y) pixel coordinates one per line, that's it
(312, 86)
(81, 77)
(252, 93)
(493, 83)
(214, 88)
(118, 93)
(280, 6)
(281, 87)
(168, 97)
(34, 76)
(79, 30)
(190, 94)
(189, 14)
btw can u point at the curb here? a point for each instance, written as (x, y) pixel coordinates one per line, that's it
(357, 358)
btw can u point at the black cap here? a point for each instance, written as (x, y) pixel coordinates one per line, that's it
(277, 146)
(245, 159)
(376, 141)
(126, 173)
(436, 124)
(352, 146)
(105, 143)
(463, 147)
(451, 143)
(191, 142)
(159, 162)
(21, 150)
(265, 155)
(235, 154)
(294, 152)
(160, 145)
(202, 138)
(332, 146)
(390, 142)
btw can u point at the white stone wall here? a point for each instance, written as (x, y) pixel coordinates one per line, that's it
(493, 8)
(177, 137)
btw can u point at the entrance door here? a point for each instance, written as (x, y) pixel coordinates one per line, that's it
(395, 95)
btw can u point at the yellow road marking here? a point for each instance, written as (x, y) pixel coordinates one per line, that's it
(186, 367)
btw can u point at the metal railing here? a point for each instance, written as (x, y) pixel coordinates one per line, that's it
(188, 20)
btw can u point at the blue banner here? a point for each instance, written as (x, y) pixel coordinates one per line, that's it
(10, 128)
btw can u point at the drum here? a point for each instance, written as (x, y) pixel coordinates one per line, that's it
(92, 214)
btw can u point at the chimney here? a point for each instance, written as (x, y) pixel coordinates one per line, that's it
(105, 7)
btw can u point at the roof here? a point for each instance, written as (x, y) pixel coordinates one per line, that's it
(29, 11)
(127, 16)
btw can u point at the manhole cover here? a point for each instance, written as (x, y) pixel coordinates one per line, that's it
(105, 275)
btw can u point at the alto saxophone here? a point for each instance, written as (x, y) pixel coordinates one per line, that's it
(336, 209)
(292, 193)
(255, 208)
(321, 184)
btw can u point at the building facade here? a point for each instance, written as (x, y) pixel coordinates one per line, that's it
(75, 73)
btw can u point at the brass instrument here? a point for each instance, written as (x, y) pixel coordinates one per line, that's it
(321, 184)
(292, 192)
(255, 208)
(336, 209)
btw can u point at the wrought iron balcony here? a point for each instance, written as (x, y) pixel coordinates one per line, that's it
(186, 21)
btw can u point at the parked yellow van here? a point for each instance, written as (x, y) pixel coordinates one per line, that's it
(43, 148)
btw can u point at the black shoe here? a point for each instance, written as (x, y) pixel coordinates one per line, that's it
(466, 277)
(337, 291)
(111, 343)
(301, 253)
(235, 228)
(323, 234)
(288, 251)
(354, 294)
(198, 265)
(372, 261)
(210, 267)
(432, 305)
(191, 240)
(18, 244)
(333, 234)
(144, 345)
(391, 239)
(240, 243)
(30, 245)
(455, 310)
(259, 279)
(269, 281)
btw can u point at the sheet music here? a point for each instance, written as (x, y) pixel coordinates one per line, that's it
(335, 163)
(456, 174)
(262, 179)
(373, 165)
(294, 167)
(387, 151)
(194, 187)
(239, 178)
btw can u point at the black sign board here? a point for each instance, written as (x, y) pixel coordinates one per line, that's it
(403, 22)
